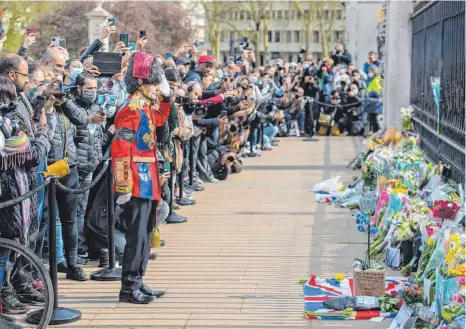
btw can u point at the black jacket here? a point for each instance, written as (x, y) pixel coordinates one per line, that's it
(345, 58)
(93, 47)
(89, 137)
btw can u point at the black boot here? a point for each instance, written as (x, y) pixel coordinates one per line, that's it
(62, 267)
(175, 219)
(135, 297)
(150, 292)
(185, 202)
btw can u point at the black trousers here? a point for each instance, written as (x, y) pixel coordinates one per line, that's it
(140, 216)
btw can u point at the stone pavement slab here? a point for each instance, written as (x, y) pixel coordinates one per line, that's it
(236, 263)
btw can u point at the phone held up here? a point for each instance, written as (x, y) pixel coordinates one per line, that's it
(111, 21)
(124, 37)
(142, 34)
(30, 31)
(39, 107)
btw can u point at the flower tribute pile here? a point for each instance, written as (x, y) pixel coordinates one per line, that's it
(417, 226)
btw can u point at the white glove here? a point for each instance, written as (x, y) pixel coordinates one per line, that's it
(124, 198)
(164, 87)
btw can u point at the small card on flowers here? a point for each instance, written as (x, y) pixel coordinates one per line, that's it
(403, 316)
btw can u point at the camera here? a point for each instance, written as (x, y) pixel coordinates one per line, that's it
(200, 110)
(230, 158)
(13, 127)
(182, 99)
(244, 45)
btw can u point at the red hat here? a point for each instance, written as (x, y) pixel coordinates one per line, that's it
(205, 59)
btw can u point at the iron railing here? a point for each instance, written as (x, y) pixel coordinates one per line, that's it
(438, 55)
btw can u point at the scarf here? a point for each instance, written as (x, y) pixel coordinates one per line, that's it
(15, 151)
(23, 188)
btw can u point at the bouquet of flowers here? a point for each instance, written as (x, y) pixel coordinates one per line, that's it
(390, 302)
(406, 118)
(452, 311)
(412, 294)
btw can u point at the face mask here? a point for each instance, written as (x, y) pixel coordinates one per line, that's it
(305, 66)
(371, 75)
(109, 111)
(342, 71)
(74, 73)
(89, 96)
(181, 73)
(32, 91)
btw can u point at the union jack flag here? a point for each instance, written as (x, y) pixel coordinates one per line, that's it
(318, 290)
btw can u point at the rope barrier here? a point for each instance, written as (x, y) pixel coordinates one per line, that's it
(338, 105)
(86, 188)
(14, 201)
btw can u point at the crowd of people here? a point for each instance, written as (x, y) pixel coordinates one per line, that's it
(170, 123)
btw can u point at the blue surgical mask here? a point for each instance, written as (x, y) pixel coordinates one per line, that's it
(305, 66)
(110, 111)
(32, 91)
(75, 72)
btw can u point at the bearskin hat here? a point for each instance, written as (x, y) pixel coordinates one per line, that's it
(143, 65)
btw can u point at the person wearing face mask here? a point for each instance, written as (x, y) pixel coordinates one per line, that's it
(372, 60)
(73, 68)
(83, 112)
(360, 83)
(351, 118)
(372, 104)
(36, 78)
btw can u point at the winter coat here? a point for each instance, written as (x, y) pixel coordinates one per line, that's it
(93, 47)
(89, 137)
(62, 143)
(11, 218)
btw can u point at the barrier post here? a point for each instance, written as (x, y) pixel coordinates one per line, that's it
(112, 273)
(262, 135)
(191, 161)
(61, 315)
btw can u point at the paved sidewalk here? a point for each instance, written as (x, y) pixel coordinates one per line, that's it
(237, 262)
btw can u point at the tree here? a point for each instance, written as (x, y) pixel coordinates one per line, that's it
(166, 24)
(215, 13)
(17, 16)
(308, 14)
(258, 14)
(326, 10)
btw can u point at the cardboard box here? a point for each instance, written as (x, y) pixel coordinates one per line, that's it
(369, 283)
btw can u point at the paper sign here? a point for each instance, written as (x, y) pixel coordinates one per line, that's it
(401, 318)
(427, 286)
(378, 319)
(369, 283)
(392, 257)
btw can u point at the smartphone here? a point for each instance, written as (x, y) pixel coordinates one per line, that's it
(30, 31)
(62, 43)
(166, 166)
(39, 106)
(223, 114)
(124, 38)
(55, 41)
(142, 34)
(132, 46)
(167, 55)
(111, 21)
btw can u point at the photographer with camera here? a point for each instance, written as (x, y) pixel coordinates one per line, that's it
(340, 55)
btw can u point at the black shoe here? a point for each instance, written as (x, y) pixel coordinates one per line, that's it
(11, 304)
(5, 324)
(150, 292)
(185, 202)
(310, 139)
(62, 267)
(175, 219)
(135, 297)
(104, 259)
(76, 273)
(253, 155)
(196, 187)
(153, 256)
(29, 295)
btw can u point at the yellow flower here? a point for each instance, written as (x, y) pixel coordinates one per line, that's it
(339, 277)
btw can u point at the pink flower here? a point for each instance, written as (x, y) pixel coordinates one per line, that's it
(430, 231)
(418, 292)
(405, 289)
(461, 280)
(393, 293)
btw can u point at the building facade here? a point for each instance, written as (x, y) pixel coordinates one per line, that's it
(286, 31)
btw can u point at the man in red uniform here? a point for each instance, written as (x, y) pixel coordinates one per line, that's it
(135, 168)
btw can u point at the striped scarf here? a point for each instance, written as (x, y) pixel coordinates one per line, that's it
(14, 151)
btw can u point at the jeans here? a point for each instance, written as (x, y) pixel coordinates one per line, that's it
(84, 180)
(298, 117)
(43, 229)
(269, 133)
(67, 207)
